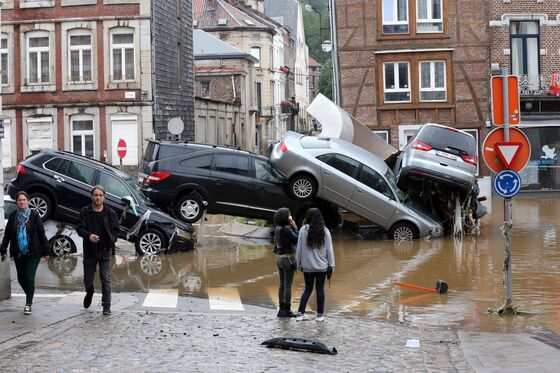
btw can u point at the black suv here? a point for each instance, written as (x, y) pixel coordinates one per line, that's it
(59, 184)
(189, 178)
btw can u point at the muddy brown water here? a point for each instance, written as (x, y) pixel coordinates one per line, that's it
(363, 282)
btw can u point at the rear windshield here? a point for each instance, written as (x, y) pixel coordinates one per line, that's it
(309, 142)
(149, 153)
(447, 139)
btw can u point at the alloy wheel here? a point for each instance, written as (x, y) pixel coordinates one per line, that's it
(39, 204)
(190, 209)
(62, 246)
(150, 243)
(302, 188)
(403, 233)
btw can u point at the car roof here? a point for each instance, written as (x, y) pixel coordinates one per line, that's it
(201, 145)
(92, 162)
(444, 127)
(345, 148)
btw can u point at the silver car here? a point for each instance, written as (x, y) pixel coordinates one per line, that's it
(441, 154)
(352, 178)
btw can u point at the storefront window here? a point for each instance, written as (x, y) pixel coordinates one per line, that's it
(543, 170)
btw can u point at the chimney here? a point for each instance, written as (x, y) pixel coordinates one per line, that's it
(211, 5)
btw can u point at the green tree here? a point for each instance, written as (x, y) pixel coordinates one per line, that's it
(325, 79)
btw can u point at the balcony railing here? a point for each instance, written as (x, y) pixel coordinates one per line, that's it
(536, 85)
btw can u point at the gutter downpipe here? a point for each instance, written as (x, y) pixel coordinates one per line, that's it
(334, 52)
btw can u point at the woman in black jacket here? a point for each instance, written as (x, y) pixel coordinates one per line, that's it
(285, 236)
(25, 234)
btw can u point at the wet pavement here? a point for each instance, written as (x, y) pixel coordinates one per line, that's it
(363, 305)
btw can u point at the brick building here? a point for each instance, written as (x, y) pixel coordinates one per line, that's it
(403, 63)
(525, 37)
(78, 75)
(314, 75)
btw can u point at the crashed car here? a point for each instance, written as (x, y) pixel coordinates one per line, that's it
(59, 184)
(352, 178)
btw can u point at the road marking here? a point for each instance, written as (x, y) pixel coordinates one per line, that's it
(225, 299)
(162, 298)
(42, 295)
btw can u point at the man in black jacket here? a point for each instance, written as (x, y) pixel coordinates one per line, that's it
(98, 226)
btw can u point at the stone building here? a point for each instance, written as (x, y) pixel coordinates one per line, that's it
(403, 63)
(224, 102)
(314, 75)
(80, 75)
(525, 37)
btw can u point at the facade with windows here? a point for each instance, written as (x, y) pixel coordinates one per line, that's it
(404, 63)
(526, 39)
(75, 78)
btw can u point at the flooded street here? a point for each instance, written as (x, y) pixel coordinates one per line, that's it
(363, 281)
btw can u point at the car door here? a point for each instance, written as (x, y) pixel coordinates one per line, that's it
(373, 198)
(337, 178)
(230, 184)
(73, 182)
(269, 193)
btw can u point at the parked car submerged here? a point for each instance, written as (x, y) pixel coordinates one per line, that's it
(352, 178)
(188, 179)
(59, 184)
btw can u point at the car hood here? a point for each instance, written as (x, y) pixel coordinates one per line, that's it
(337, 123)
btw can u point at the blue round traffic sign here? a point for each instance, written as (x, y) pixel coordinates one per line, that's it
(507, 183)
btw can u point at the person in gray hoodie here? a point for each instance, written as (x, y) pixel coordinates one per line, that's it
(314, 257)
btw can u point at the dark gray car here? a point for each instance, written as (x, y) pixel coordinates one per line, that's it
(352, 178)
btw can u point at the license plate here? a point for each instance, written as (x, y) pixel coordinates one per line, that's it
(446, 155)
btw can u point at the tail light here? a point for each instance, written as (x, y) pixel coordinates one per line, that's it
(419, 145)
(156, 177)
(20, 169)
(471, 159)
(283, 147)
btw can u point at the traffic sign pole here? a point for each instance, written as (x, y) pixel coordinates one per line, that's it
(508, 305)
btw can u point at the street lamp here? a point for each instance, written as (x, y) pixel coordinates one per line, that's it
(326, 45)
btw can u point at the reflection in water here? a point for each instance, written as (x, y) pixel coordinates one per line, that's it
(362, 284)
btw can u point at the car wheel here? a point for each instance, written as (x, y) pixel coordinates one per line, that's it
(189, 208)
(150, 242)
(62, 245)
(42, 204)
(403, 231)
(303, 187)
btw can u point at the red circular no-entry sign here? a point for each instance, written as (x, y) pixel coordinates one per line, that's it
(121, 148)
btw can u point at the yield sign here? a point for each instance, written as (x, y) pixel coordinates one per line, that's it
(507, 151)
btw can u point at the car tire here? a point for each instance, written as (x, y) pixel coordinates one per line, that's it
(150, 242)
(62, 245)
(189, 208)
(42, 204)
(303, 187)
(403, 230)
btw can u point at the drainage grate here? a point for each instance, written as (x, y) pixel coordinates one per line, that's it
(78, 299)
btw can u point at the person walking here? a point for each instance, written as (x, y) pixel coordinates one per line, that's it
(315, 258)
(25, 234)
(285, 238)
(98, 226)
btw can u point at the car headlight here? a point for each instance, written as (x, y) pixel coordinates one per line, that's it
(183, 234)
(436, 231)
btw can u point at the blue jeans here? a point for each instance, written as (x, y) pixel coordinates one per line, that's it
(26, 267)
(90, 266)
(286, 278)
(319, 279)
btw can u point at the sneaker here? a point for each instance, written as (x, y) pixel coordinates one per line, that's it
(320, 318)
(27, 309)
(106, 311)
(87, 300)
(302, 317)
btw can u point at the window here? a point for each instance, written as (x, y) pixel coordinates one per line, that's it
(265, 172)
(432, 81)
(524, 48)
(232, 164)
(53, 164)
(77, 171)
(429, 16)
(375, 181)
(383, 134)
(38, 58)
(82, 136)
(4, 65)
(205, 89)
(395, 16)
(256, 52)
(203, 162)
(342, 163)
(114, 185)
(80, 58)
(396, 76)
(122, 55)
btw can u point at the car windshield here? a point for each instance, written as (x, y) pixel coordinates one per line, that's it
(449, 140)
(392, 180)
(136, 188)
